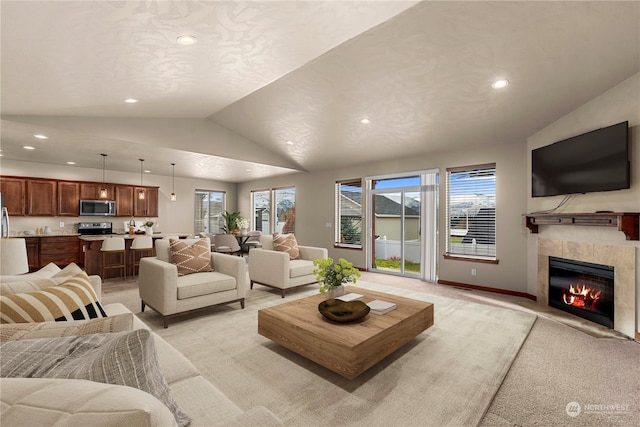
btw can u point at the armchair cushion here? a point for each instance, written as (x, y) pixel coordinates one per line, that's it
(74, 299)
(191, 258)
(204, 284)
(286, 243)
(300, 267)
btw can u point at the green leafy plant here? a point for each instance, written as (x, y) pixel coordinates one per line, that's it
(148, 223)
(332, 274)
(230, 221)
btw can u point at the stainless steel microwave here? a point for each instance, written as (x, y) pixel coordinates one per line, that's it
(97, 208)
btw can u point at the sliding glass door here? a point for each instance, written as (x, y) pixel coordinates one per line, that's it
(402, 225)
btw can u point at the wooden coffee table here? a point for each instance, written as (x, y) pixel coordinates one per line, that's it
(347, 349)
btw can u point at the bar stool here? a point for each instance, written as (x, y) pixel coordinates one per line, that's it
(140, 245)
(113, 246)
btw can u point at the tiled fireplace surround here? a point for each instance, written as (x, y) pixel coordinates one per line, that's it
(622, 258)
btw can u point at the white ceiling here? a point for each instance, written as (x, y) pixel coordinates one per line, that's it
(265, 72)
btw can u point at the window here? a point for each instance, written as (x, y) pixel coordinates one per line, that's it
(285, 221)
(274, 211)
(261, 207)
(349, 213)
(208, 210)
(471, 212)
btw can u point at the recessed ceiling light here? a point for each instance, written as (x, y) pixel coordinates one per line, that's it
(40, 136)
(147, 171)
(28, 147)
(71, 163)
(365, 121)
(289, 142)
(499, 84)
(186, 40)
(130, 100)
(247, 170)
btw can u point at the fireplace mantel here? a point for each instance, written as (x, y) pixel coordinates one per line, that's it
(627, 222)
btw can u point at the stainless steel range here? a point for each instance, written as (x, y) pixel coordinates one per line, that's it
(94, 228)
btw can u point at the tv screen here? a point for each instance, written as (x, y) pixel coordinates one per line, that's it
(594, 161)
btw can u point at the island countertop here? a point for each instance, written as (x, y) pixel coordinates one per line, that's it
(94, 238)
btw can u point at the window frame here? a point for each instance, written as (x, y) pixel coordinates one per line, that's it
(208, 228)
(338, 232)
(274, 213)
(450, 252)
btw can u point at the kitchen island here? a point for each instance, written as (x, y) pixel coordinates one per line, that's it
(91, 246)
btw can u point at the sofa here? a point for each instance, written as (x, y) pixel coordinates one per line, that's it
(277, 269)
(72, 402)
(170, 294)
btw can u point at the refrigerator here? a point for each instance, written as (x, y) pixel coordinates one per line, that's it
(4, 219)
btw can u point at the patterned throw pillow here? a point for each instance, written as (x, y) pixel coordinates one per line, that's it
(126, 358)
(190, 259)
(30, 331)
(73, 299)
(286, 243)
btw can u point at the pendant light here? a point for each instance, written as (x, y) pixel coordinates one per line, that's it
(173, 183)
(103, 191)
(141, 191)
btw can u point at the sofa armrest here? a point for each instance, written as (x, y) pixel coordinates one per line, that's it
(158, 284)
(234, 266)
(96, 283)
(269, 267)
(311, 253)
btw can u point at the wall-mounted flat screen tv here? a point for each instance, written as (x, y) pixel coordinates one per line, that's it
(594, 161)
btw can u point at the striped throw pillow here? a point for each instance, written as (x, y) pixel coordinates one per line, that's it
(189, 259)
(286, 243)
(31, 331)
(73, 299)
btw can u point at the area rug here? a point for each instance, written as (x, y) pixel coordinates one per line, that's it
(446, 376)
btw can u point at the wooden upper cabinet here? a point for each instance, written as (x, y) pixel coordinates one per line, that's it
(124, 200)
(68, 198)
(13, 195)
(42, 197)
(147, 206)
(91, 191)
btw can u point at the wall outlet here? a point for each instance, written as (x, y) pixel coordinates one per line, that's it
(328, 224)
(61, 224)
(473, 271)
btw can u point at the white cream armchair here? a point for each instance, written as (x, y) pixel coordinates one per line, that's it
(169, 294)
(274, 269)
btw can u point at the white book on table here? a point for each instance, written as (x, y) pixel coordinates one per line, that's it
(381, 307)
(351, 297)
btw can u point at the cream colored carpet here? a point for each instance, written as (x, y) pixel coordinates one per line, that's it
(448, 375)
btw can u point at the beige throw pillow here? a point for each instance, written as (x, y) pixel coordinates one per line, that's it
(73, 299)
(286, 243)
(30, 331)
(189, 259)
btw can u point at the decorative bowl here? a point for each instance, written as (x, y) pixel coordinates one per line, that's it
(343, 311)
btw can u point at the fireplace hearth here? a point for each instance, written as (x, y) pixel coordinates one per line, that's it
(583, 289)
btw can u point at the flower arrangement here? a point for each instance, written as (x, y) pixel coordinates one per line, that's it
(242, 223)
(332, 274)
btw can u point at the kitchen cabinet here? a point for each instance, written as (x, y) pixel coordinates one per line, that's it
(13, 195)
(124, 200)
(68, 198)
(33, 252)
(61, 250)
(91, 191)
(149, 205)
(42, 197)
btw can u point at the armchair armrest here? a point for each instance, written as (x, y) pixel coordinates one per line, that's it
(233, 266)
(158, 284)
(311, 253)
(269, 267)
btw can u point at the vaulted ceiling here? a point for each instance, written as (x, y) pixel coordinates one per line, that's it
(272, 88)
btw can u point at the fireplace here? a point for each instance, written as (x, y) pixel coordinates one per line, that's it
(583, 289)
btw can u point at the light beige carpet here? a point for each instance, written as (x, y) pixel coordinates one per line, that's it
(448, 375)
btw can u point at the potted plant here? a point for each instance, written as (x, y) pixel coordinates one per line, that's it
(148, 226)
(333, 275)
(230, 221)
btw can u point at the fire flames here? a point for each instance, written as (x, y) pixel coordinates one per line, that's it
(581, 296)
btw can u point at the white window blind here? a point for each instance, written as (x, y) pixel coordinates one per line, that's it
(471, 212)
